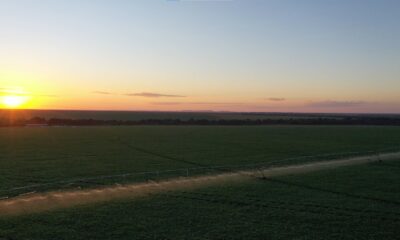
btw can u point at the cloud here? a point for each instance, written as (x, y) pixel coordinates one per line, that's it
(216, 103)
(12, 91)
(333, 104)
(275, 99)
(153, 95)
(21, 93)
(46, 95)
(103, 93)
(140, 94)
(197, 103)
(166, 103)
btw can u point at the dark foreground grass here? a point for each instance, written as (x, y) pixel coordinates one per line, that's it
(358, 202)
(42, 155)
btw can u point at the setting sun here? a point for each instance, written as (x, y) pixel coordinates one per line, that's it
(14, 101)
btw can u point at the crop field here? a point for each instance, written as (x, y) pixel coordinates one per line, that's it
(78, 157)
(356, 202)
(343, 203)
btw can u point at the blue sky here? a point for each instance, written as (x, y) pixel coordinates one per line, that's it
(331, 55)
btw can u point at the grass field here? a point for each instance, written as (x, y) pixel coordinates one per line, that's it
(358, 202)
(43, 155)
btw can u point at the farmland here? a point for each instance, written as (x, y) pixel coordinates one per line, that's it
(349, 201)
(358, 202)
(30, 156)
(199, 119)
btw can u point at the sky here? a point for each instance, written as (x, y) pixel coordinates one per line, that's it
(171, 55)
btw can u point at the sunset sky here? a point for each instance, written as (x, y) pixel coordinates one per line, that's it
(264, 56)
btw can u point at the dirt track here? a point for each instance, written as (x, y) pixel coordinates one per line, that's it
(54, 200)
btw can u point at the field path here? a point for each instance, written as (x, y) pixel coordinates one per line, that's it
(39, 202)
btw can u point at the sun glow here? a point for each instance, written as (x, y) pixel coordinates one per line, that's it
(13, 101)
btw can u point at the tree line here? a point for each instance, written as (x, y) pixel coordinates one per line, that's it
(353, 120)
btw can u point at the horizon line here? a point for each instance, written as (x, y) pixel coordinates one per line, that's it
(205, 111)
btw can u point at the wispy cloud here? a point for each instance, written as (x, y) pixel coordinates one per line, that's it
(198, 103)
(141, 94)
(216, 103)
(166, 103)
(102, 93)
(13, 91)
(153, 95)
(333, 104)
(21, 93)
(276, 99)
(46, 95)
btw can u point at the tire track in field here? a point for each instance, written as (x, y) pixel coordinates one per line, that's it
(388, 165)
(38, 202)
(273, 205)
(394, 216)
(160, 155)
(318, 189)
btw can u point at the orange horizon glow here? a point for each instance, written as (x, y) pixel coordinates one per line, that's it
(31, 98)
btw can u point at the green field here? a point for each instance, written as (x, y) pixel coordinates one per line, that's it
(30, 156)
(358, 202)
